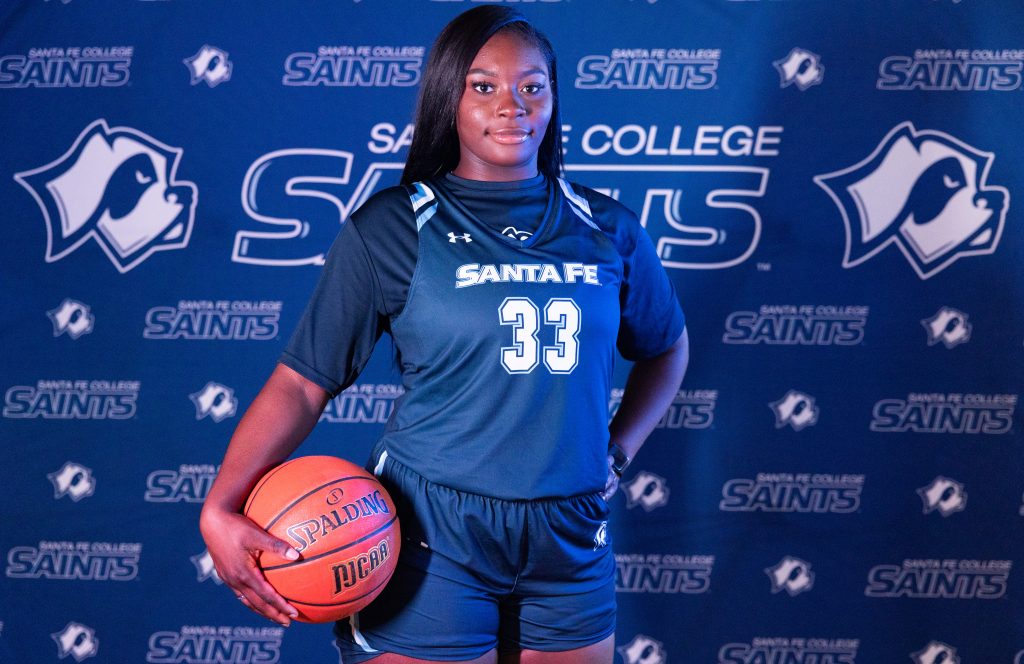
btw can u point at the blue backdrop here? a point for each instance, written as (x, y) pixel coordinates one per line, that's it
(829, 186)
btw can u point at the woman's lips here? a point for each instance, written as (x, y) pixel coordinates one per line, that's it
(510, 136)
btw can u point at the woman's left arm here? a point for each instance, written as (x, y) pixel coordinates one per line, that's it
(652, 385)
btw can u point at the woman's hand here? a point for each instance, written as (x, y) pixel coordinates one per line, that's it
(235, 543)
(273, 427)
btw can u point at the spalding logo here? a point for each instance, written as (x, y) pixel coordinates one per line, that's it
(119, 187)
(924, 191)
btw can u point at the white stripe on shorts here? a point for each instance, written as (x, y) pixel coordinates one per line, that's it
(357, 636)
(379, 468)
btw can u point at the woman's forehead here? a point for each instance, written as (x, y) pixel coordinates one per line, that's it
(507, 50)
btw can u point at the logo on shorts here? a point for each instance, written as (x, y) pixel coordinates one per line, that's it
(936, 652)
(801, 68)
(795, 409)
(943, 494)
(646, 490)
(215, 400)
(118, 187)
(72, 318)
(209, 64)
(948, 326)
(601, 537)
(76, 640)
(204, 567)
(73, 480)
(792, 575)
(924, 191)
(643, 650)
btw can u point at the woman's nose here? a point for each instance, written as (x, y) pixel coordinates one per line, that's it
(510, 103)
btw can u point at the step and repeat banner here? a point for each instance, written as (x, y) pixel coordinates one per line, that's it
(830, 186)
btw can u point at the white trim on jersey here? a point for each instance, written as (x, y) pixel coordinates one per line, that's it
(424, 196)
(578, 204)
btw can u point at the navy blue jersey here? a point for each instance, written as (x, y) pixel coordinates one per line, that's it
(505, 345)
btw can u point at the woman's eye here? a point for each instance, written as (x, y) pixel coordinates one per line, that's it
(532, 88)
(483, 87)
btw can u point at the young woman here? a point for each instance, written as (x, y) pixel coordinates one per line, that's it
(506, 290)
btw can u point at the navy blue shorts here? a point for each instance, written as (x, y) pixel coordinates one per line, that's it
(477, 573)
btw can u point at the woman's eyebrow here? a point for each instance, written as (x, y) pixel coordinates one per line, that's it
(525, 72)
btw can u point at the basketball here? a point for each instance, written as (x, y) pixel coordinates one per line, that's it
(344, 526)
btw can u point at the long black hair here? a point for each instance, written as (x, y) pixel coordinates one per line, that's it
(435, 142)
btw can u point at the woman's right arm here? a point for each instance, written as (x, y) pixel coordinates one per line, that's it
(279, 419)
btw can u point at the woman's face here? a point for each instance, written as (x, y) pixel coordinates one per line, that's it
(504, 111)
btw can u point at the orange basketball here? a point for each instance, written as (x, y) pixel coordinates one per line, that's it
(344, 525)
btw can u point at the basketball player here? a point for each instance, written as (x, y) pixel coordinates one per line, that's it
(506, 290)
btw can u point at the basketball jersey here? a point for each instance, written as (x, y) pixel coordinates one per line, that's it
(506, 345)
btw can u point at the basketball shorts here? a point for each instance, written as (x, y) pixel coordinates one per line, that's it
(477, 573)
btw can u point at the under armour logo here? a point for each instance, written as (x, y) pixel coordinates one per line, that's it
(453, 238)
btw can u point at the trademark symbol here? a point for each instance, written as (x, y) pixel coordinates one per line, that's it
(764, 267)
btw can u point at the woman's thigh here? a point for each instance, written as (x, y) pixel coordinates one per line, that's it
(391, 658)
(602, 652)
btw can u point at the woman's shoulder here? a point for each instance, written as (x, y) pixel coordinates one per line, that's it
(390, 201)
(385, 218)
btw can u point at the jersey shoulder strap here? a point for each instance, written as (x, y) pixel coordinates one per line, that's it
(578, 204)
(424, 202)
